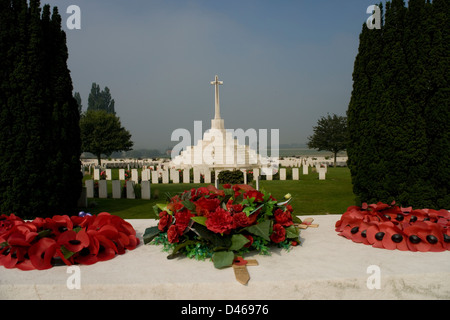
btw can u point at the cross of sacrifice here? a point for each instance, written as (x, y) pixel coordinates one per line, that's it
(216, 83)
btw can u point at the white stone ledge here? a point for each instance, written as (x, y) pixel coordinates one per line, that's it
(325, 266)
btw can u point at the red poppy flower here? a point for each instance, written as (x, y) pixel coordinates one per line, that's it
(74, 241)
(415, 237)
(7, 223)
(278, 234)
(88, 255)
(376, 234)
(21, 235)
(42, 252)
(107, 249)
(394, 238)
(446, 237)
(433, 235)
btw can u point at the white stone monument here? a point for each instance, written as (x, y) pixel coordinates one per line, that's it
(218, 149)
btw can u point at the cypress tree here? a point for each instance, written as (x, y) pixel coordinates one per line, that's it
(41, 137)
(405, 102)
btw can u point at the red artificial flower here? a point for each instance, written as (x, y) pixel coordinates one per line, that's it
(234, 207)
(172, 234)
(278, 234)
(74, 241)
(165, 220)
(376, 233)
(42, 252)
(220, 221)
(204, 206)
(182, 220)
(258, 196)
(175, 204)
(241, 220)
(7, 223)
(283, 218)
(394, 238)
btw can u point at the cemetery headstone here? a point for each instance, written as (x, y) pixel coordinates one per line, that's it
(96, 174)
(130, 190)
(116, 192)
(134, 176)
(155, 177)
(305, 169)
(89, 188)
(294, 173)
(186, 176)
(282, 173)
(165, 176)
(145, 190)
(108, 174)
(102, 189)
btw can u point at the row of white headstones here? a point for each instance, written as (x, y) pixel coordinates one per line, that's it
(152, 176)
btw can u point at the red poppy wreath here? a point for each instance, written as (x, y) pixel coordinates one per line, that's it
(43, 243)
(393, 227)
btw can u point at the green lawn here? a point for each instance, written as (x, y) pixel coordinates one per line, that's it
(311, 196)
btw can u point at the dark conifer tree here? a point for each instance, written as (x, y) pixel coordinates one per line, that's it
(398, 116)
(41, 137)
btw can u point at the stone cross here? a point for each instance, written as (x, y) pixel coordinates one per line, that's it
(216, 83)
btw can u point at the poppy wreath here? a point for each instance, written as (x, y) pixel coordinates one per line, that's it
(221, 224)
(43, 243)
(393, 227)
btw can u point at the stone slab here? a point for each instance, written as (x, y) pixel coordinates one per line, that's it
(324, 266)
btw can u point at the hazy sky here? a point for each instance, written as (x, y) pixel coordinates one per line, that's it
(284, 63)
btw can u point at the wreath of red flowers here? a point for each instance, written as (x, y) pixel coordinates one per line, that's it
(393, 227)
(43, 243)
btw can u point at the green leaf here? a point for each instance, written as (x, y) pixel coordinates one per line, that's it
(261, 229)
(189, 205)
(180, 246)
(223, 259)
(296, 219)
(199, 220)
(67, 253)
(162, 207)
(156, 210)
(237, 242)
(292, 232)
(150, 234)
(44, 233)
(216, 239)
